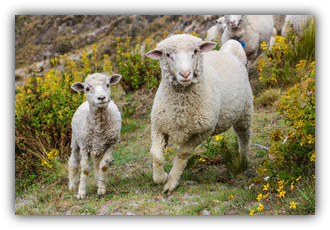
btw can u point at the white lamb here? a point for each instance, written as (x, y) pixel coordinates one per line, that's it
(95, 132)
(250, 31)
(201, 94)
(215, 32)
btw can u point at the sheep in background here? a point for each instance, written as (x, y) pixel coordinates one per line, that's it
(215, 32)
(278, 23)
(95, 132)
(297, 22)
(201, 94)
(250, 31)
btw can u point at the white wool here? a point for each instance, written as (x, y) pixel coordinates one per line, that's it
(297, 22)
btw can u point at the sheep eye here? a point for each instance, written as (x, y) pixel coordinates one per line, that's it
(195, 51)
(87, 89)
(168, 55)
(108, 85)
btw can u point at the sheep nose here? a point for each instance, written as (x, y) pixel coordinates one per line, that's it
(184, 74)
(101, 98)
(233, 22)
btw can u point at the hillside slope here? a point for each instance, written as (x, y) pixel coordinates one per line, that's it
(39, 38)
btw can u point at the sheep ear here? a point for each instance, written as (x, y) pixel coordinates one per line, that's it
(154, 54)
(114, 79)
(207, 46)
(78, 86)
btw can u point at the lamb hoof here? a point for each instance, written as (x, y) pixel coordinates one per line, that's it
(100, 192)
(81, 196)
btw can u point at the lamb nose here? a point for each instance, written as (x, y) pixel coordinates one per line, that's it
(101, 98)
(185, 74)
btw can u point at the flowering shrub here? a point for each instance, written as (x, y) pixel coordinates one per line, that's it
(293, 151)
(275, 69)
(136, 70)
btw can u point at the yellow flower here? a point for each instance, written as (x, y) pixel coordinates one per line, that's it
(260, 207)
(266, 187)
(292, 186)
(298, 178)
(293, 204)
(282, 193)
(218, 137)
(167, 150)
(201, 159)
(259, 197)
(43, 162)
(252, 212)
(313, 157)
(230, 196)
(265, 196)
(263, 46)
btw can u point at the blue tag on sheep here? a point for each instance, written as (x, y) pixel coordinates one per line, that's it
(242, 43)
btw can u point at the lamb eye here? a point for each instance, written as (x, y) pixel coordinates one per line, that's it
(108, 85)
(168, 55)
(88, 89)
(195, 51)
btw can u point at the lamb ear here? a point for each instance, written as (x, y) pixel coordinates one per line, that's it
(207, 46)
(78, 86)
(154, 54)
(114, 79)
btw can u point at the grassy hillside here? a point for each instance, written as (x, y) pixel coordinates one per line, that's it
(279, 180)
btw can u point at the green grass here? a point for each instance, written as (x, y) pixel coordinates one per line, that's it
(131, 189)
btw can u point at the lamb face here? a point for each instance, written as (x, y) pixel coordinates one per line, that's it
(97, 89)
(182, 56)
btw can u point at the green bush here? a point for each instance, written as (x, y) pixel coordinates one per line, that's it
(294, 151)
(136, 70)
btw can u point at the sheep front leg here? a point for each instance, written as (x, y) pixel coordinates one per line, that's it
(158, 143)
(85, 171)
(73, 168)
(103, 167)
(180, 161)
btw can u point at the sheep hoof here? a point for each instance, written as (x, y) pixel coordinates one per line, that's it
(161, 180)
(81, 196)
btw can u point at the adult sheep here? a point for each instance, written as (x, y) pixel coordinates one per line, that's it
(250, 31)
(201, 94)
(95, 132)
(296, 22)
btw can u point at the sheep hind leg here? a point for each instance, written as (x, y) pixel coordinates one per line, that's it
(243, 134)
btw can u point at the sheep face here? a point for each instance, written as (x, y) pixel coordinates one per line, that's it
(233, 20)
(97, 88)
(220, 22)
(181, 53)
